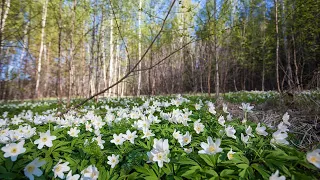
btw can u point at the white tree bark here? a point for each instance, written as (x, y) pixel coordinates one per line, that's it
(71, 68)
(5, 15)
(139, 24)
(104, 64)
(43, 25)
(111, 56)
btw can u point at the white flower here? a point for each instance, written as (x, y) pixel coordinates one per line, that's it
(185, 139)
(90, 173)
(197, 106)
(150, 157)
(261, 130)
(198, 126)
(33, 168)
(161, 145)
(314, 157)
(72, 177)
(147, 133)
(117, 139)
(221, 120)
(279, 137)
(230, 154)
(282, 127)
(188, 150)
(244, 139)
(160, 151)
(285, 118)
(100, 142)
(113, 160)
(160, 157)
(73, 132)
(225, 108)
(210, 147)
(45, 139)
(88, 126)
(246, 107)
(276, 176)
(59, 169)
(244, 120)
(230, 132)
(176, 134)
(130, 136)
(13, 150)
(212, 110)
(229, 117)
(249, 131)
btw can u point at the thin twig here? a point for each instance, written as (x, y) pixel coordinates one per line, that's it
(131, 70)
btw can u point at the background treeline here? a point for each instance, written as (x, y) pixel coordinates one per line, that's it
(75, 48)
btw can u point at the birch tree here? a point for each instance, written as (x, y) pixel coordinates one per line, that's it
(139, 51)
(43, 26)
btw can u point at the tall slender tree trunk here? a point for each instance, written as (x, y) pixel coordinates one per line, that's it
(5, 6)
(4, 14)
(71, 68)
(139, 51)
(277, 47)
(103, 47)
(295, 63)
(43, 26)
(111, 56)
(215, 50)
(58, 80)
(48, 69)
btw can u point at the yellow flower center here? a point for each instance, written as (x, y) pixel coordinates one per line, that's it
(230, 156)
(313, 159)
(44, 139)
(14, 150)
(159, 156)
(58, 169)
(185, 139)
(93, 174)
(113, 160)
(211, 149)
(30, 169)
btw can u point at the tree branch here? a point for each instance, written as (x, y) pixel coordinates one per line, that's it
(131, 70)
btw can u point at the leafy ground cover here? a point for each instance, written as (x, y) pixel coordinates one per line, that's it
(180, 137)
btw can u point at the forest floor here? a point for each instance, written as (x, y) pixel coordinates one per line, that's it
(304, 111)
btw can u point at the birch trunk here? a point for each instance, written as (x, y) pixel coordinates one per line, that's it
(71, 75)
(104, 64)
(43, 25)
(4, 14)
(140, 64)
(111, 56)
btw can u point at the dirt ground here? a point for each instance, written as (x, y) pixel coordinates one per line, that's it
(304, 118)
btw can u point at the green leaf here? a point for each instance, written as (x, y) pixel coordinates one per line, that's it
(207, 159)
(188, 161)
(226, 172)
(191, 171)
(243, 173)
(8, 164)
(242, 166)
(2, 169)
(261, 171)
